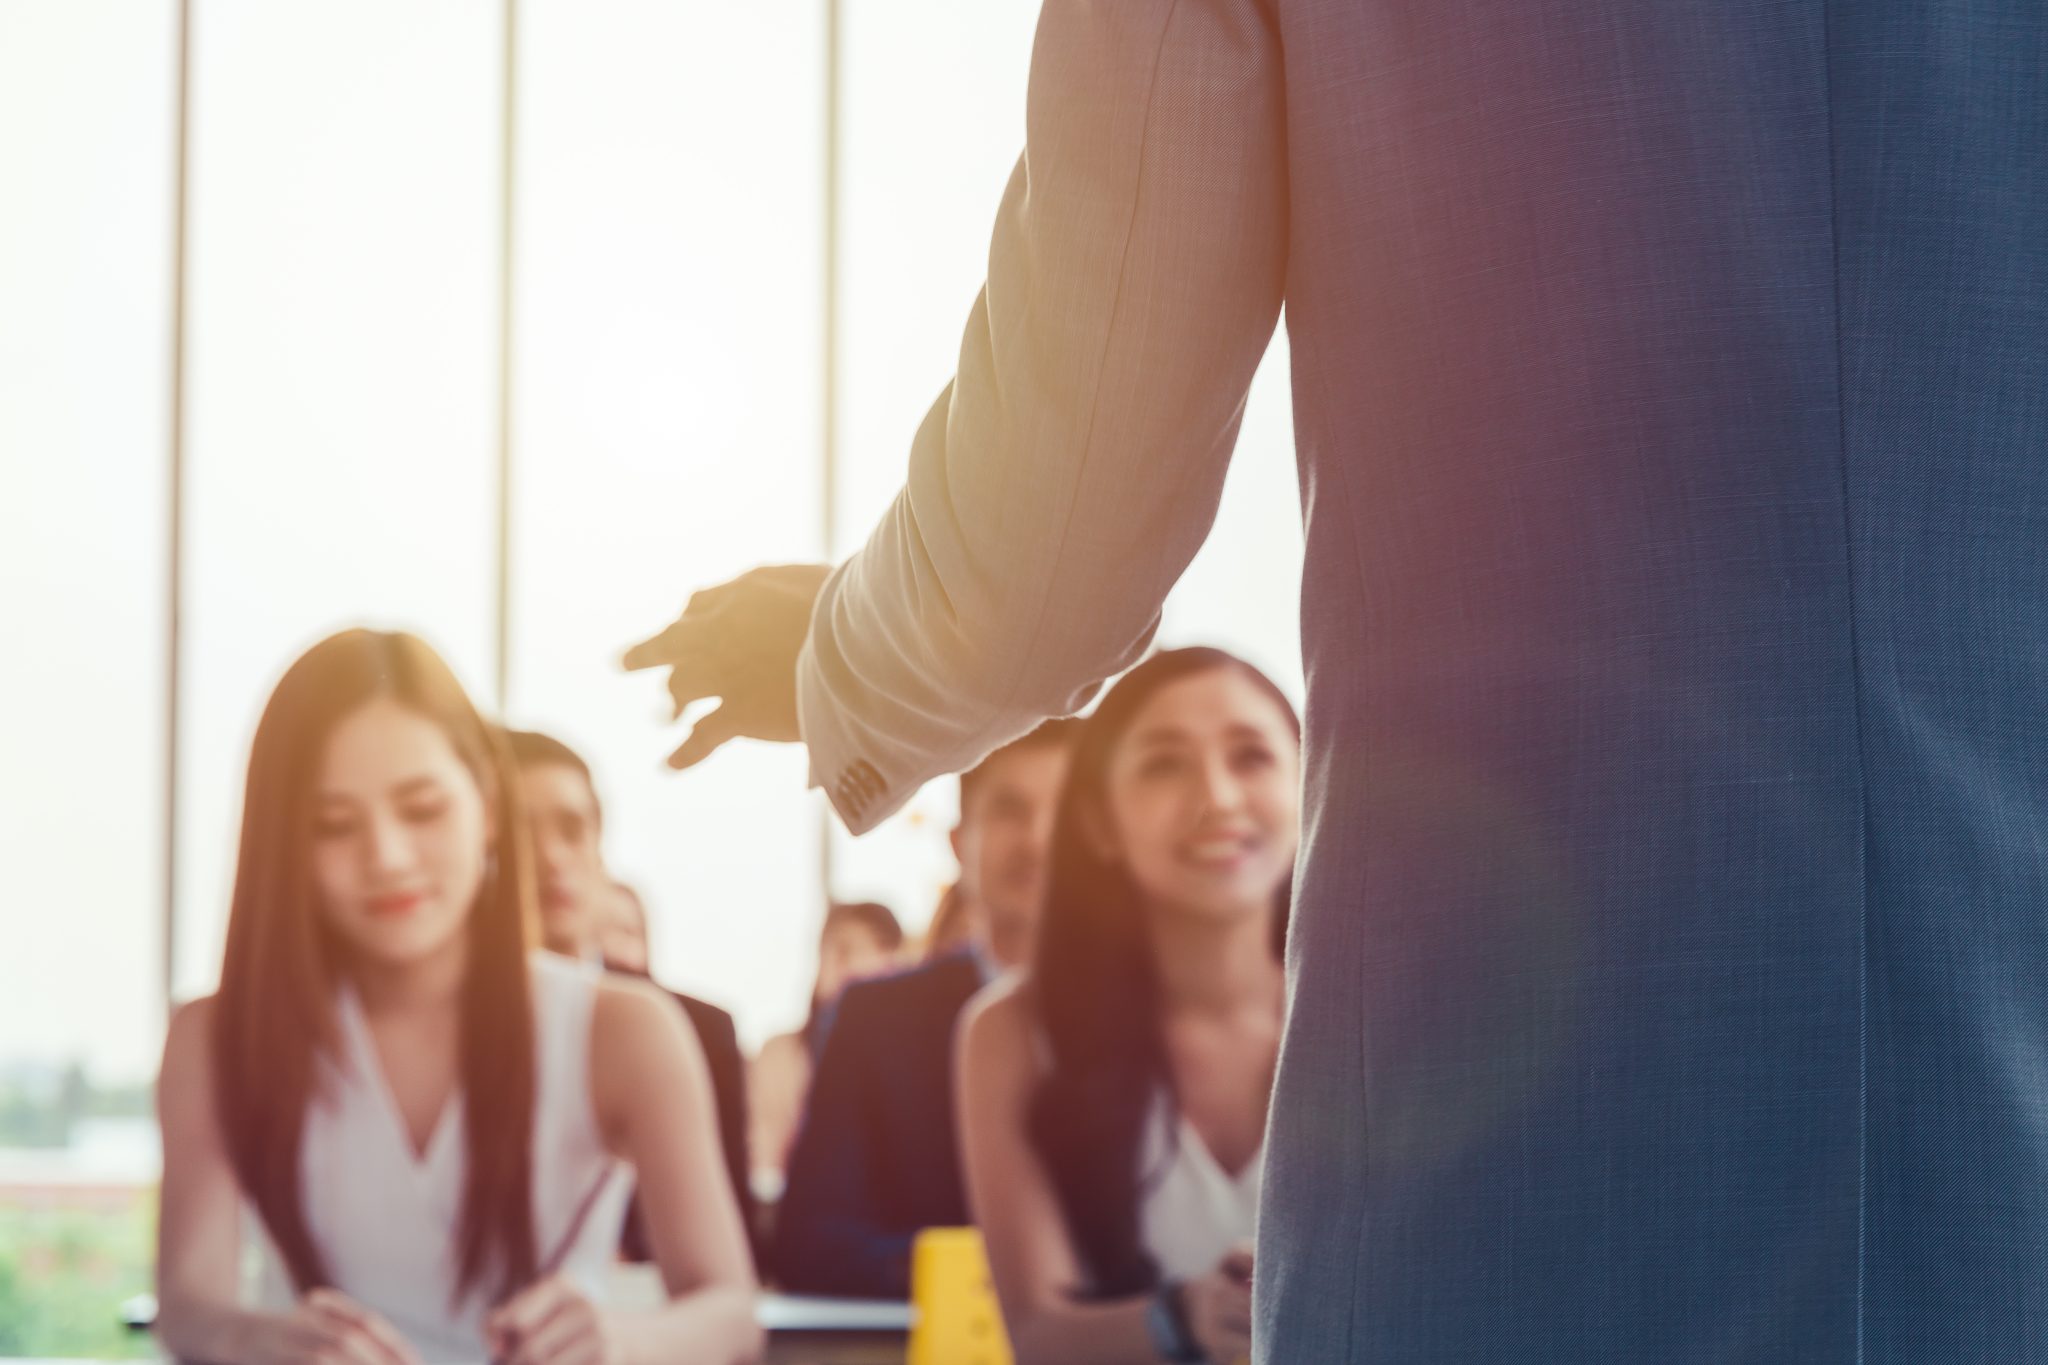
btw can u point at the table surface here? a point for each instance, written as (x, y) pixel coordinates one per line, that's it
(801, 1330)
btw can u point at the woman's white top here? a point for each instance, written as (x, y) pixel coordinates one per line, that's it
(385, 1218)
(1191, 1212)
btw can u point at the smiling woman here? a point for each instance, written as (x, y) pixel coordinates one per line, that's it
(1112, 1102)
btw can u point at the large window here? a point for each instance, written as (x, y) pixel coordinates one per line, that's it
(932, 124)
(345, 320)
(86, 158)
(667, 413)
(342, 321)
(86, 169)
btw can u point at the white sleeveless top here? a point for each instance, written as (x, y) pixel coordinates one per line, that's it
(385, 1220)
(1191, 1211)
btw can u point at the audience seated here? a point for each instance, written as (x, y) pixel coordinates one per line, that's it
(436, 1128)
(858, 940)
(875, 1159)
(1112, 1099)
(579, 901)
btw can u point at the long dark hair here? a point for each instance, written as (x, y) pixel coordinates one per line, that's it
(1094, 993)
(275, 1015)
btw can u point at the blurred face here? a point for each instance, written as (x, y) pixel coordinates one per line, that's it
(400, 835)
(568, 860)
(1203, 794)
(847, 953)
(1004, 836)
(623, 939)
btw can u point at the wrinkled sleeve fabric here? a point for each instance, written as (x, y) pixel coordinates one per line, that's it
(1068, 474)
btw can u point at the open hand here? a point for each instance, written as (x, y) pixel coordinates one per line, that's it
(737, 642)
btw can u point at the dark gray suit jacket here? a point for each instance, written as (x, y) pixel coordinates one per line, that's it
(1671, 390)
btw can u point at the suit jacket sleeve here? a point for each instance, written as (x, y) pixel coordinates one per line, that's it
(1069, 473)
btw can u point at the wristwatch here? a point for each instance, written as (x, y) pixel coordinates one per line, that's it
(1166, 1318)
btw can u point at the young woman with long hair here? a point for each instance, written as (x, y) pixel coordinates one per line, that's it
(436, 1127)
(1113, 1097)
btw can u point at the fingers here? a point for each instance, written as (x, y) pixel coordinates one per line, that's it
(738, 642)
(569, 1337)
(683, 636)
(1234, 1312)
(1220, 1312)
(328, 1301)
(712, 730)
(694, 678)
(549, 1324)
(689, 650)
(355, 1332)
(520, 1316)
(1237, 1263)
(651, 652)
(389, 1346)
(511, 1320)
(672, 643)
(320, 1340)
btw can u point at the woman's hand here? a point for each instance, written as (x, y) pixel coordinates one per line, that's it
(327, 1327)
(1219, 1308)
(552, 1323)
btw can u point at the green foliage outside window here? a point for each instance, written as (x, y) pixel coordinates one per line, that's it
(64, 1273)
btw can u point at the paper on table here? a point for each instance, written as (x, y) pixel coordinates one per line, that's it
(798, 1313)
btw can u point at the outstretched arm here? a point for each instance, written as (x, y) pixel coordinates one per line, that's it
(1072, 469)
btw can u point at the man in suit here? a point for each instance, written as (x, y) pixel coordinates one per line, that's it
(876, 1160)
(1671, 383)
(577, 897)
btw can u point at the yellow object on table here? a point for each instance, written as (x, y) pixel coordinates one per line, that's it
(958, 1321)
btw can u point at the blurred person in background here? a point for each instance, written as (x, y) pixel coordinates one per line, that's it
(623, 937)
(875, 1160)
(859, 939)
(948, 931)
(1112, 1098)
(437, 1126)
(581, 903)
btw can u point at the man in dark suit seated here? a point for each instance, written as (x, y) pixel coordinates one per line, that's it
(577, 896)
(876, 1160)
